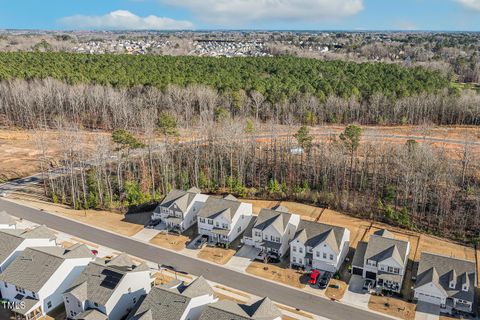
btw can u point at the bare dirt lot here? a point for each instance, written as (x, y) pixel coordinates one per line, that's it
(272, 272)
(170, 241)
(393, 307)
(336, 293)
(216, 255)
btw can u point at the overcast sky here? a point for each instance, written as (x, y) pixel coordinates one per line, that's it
(449, 15)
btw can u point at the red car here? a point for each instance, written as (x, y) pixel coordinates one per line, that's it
(314, 277)
(95, 252)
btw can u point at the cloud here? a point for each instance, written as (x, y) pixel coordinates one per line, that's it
(470, 4)
(124, 20)
(228, 12)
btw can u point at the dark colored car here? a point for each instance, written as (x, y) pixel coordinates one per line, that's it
(201, 241)
(324, 280)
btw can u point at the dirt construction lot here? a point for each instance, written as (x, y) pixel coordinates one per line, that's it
(272, 272)
(170, 241)
(216, 255)
(393, 307)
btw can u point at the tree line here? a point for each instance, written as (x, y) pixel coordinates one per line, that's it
(414, 185)
(39, 102)
(277, 78)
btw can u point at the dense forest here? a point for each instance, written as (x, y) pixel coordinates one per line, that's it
(277, 78)
(412, 185)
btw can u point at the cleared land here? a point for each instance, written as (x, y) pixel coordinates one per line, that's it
(216, 255)
(278, 274)
(170, 241)
(393, 307)
(334, 293)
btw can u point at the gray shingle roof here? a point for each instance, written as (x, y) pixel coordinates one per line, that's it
(101, 277)
(179, 197)
(8, 244)
(313, 233)
(267, 217)
(7, 219)
(169, 302)
(91, 314)
(380, 248)
(439, 269)
(248, 229)
(35, 266)
(216, 206)
(358, 257)
(263, 309)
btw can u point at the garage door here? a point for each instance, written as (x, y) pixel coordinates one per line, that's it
(429, 298)
(371, 275)
(357, 271)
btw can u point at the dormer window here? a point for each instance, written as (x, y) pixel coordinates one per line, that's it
(452, 284)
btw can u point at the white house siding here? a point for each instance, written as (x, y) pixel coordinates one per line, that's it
(431, 294)
(73, 306)
(132, 286)
(190, 217)
(25, 244)
(196, 307)
(297, 257)
(240, 220)
(60, 281)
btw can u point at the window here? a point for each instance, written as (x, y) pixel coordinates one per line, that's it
(202, 220)
(134, 300)
(71, 313)
(317, 254)
(34, 295)
(277, 239)
(294, 260)
(265, 237)
(49, 304)
(294, 249)
(300, 260)
(331, 257)
(6, 285)
(272, 238)
(20, 290)
(79, 304)
(300, 249)
(239, 229)
(324, 255)
(217, 224)
(210, 221)
(225, 226)
(258, 234)
(66, 300)
(95, 304)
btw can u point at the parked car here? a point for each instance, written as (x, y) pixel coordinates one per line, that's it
(152, 224)
(314, 278)
(200, 242)
(324, 280)
(95, 252)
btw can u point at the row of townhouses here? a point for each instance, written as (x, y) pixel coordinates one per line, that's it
(382, 261)
(39, 278)
(221, 219)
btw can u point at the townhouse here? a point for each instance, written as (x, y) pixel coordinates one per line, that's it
(319, 246)
(447, 282)
(179, 209)
(383, 260)
(263, 309)
(272, 231)
(7, 221)
(107, 289)
(174, 301)
(14, 241)
(223, 219)
(38, 276)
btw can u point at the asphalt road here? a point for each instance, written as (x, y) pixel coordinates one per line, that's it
(302, 300)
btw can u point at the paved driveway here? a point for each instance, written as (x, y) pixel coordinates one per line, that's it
(427, 311)
(145, 234)
(242, 259)
(354, 294)
(226, 276)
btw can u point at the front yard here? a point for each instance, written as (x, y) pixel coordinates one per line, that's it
(336, 293)
(283, 275)
(170, 241)
(392, 306)
(216, 254)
